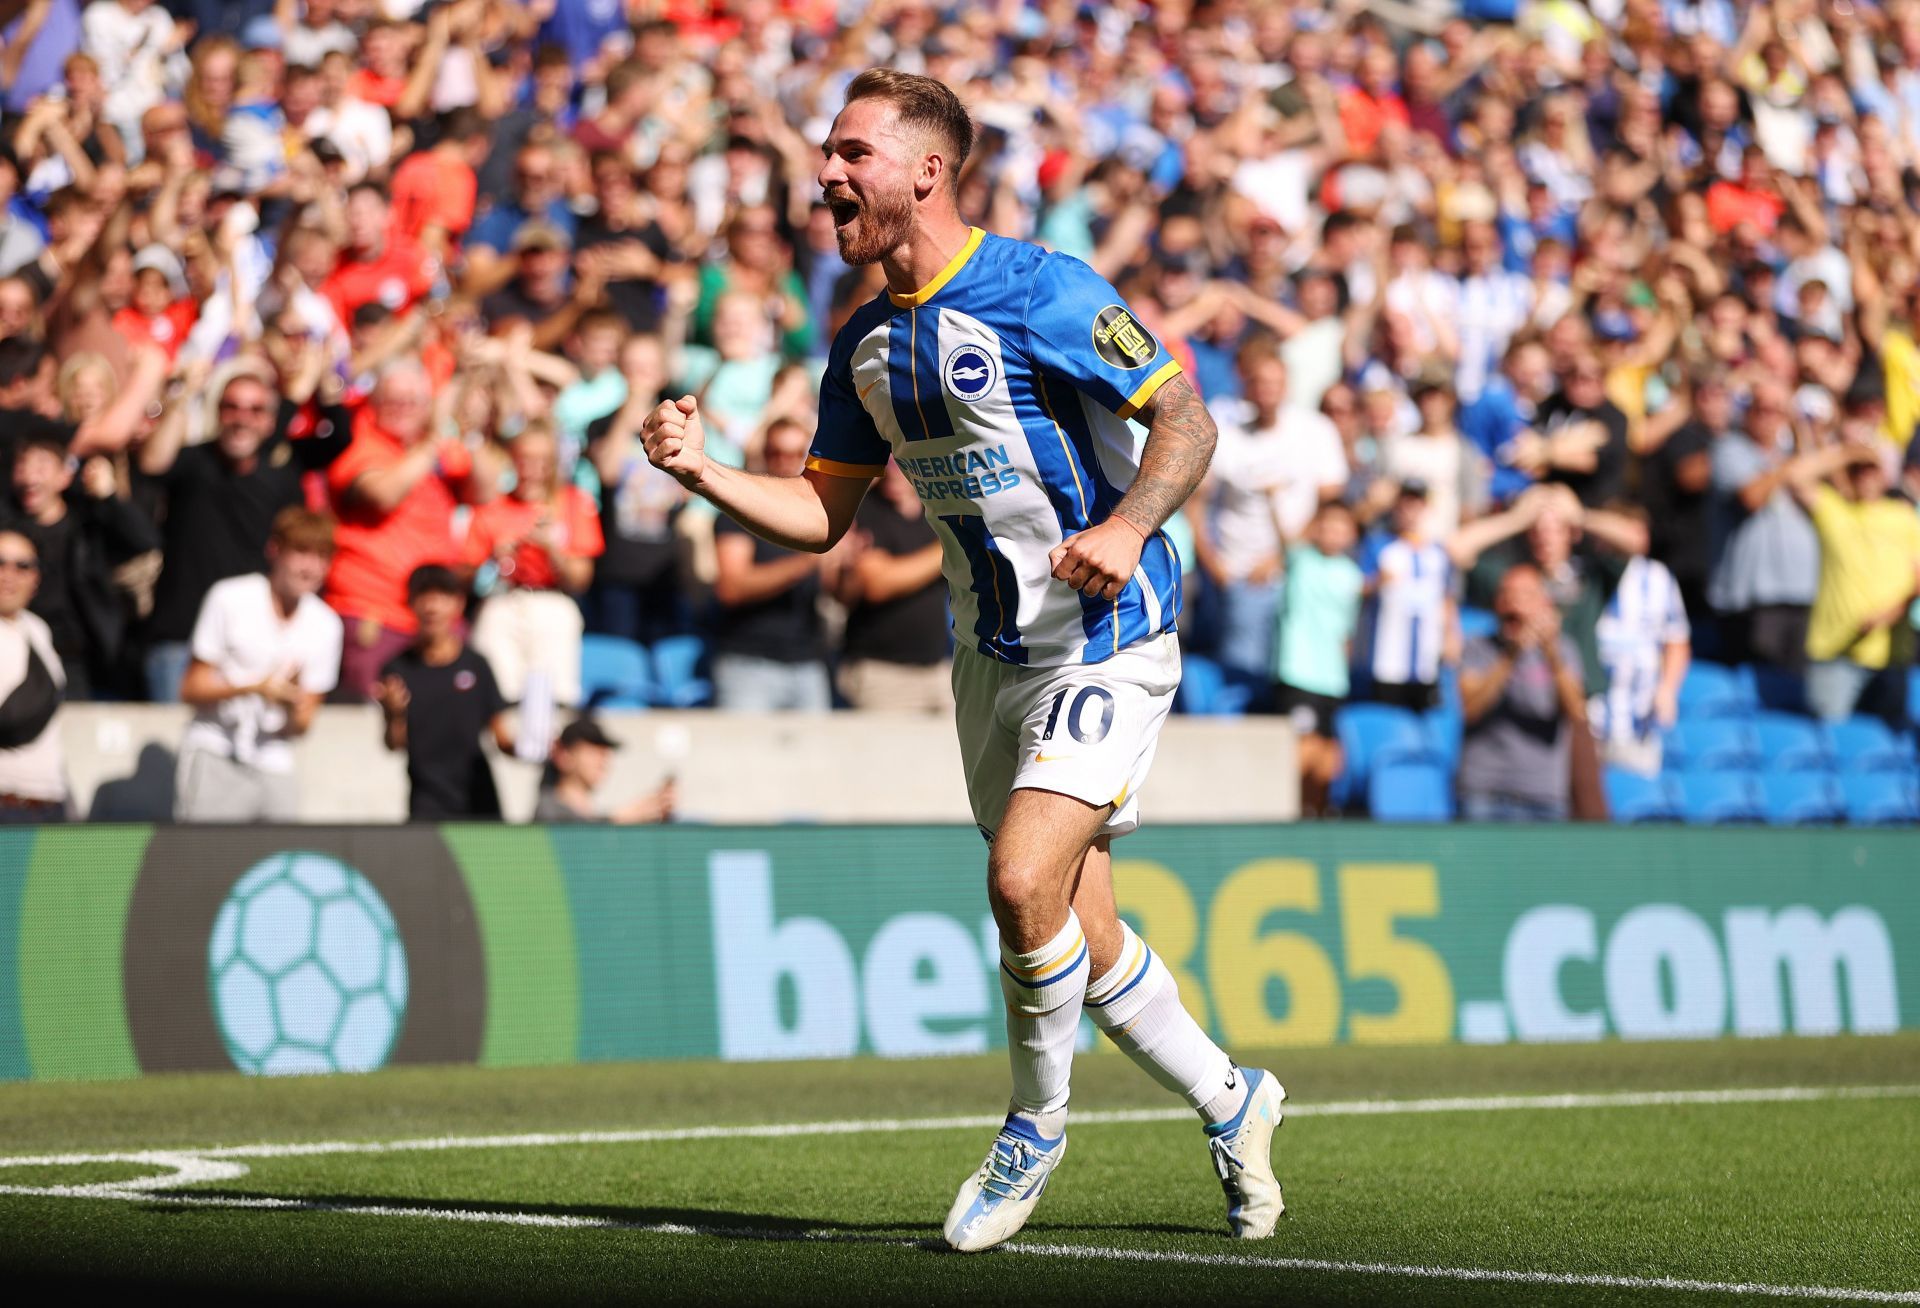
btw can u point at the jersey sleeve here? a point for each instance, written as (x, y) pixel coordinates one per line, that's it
(1079, 329)
(845, 443)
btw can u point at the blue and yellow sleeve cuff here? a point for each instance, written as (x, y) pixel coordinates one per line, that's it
(1165, 373)
(835, 468)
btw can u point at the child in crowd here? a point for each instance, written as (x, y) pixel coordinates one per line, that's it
(1414, 626)
(1318, 612)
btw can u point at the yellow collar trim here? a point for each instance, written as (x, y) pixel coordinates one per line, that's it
(945, 275)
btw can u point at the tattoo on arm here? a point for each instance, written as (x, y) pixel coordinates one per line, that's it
(1180, 440)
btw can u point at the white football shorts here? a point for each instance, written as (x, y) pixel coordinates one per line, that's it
(1088, 730)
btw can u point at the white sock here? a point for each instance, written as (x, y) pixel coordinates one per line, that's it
(1043, 990)
(1137, 1003)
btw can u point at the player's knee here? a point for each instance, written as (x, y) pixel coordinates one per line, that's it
(1015, 884)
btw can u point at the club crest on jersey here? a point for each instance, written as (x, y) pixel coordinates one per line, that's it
(1121, 341)
(969, 372)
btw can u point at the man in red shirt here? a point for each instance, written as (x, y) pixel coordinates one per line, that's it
(434, 190)
(379, 266)
(1753, 199)
(394, 493)
(1371, 103)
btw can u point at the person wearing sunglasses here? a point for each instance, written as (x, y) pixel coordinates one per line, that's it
(224, 494)
(33, 781)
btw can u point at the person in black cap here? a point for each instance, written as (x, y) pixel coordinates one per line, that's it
(578, 766)
(439, 696)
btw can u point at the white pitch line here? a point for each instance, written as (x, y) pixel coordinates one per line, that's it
(898, 1125)
(569, 1221)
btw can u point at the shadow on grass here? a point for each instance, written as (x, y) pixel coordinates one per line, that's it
(720, 1224)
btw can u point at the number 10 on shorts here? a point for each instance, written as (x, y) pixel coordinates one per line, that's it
(1079, 714)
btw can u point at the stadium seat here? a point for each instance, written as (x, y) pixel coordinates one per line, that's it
(1205, 689)
(1713, 690)
(677, 682)
(1864, 744)
(1410, 791)
(1371, 733)
(1445, 721)
(1777, 689)
(1634, 798)
(1477, 622)
(1710, 744)
(1790, 743)
(1803, 797)
(613, 673)
(1881, 798)
(1718, 797)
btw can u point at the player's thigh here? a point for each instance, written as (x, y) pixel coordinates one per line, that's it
(989, 750)
(1042, 843)
(1090, 731)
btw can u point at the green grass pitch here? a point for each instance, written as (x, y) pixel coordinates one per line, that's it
(1746, 1197)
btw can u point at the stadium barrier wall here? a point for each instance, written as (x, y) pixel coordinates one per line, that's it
(732, 767)
(131, 949)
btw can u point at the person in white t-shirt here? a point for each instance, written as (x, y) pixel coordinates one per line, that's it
(138, 47)
(265, 651)
(33, 771)
(1274, 466)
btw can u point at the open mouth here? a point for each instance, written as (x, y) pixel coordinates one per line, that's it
(844, 210)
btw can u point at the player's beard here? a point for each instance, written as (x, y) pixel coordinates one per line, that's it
(883, 225)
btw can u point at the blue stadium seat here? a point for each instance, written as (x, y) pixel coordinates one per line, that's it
(1804, 797)
(1714, 798)
(1713, 690)
(1445, 721)
(1777, 689)
(1865, 744)
(1410, 791)
(614, 673)
(677, 682)
(1373, 733)
(1477, 622)
(1881, 798)
(1710, 744)
(1634, 798)
(1205, 689)
(1790, 743)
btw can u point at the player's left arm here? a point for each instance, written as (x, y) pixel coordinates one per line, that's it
(1080, 330)
(1180, 441)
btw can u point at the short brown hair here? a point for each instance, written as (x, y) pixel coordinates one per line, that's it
(924, 103)
(302, 531)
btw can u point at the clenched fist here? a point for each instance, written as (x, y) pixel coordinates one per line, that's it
(1100, 560)
(676, 442)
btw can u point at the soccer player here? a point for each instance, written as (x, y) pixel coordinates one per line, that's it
(1001, 378)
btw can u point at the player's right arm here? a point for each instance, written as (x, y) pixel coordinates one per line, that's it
(810, 512)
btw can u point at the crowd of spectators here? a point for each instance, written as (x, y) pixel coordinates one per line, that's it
(1602, 316)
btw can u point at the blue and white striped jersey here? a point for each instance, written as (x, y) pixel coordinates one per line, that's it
(1004, 387)
(1645, 615)
(1409, 610)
